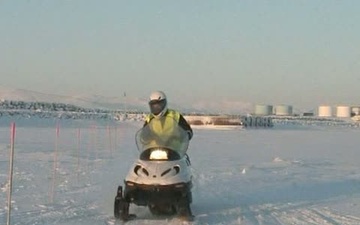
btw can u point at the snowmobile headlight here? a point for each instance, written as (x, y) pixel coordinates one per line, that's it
(159, 154)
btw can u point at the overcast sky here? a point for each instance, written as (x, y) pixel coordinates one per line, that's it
(302, 53)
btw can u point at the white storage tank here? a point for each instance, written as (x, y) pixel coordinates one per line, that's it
(343, 111)
(283, 110)
(355, 110)
(263, 110)
(325, 111)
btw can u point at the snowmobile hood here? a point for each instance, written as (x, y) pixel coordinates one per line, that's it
(160, 173)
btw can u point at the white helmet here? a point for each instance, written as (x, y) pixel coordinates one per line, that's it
(158, 103)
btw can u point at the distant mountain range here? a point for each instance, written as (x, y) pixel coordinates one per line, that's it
(122, 103)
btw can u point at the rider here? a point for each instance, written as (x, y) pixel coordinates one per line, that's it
(166, 121)
(158, 109)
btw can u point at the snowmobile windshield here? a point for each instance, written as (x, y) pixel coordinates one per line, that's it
(162, 133)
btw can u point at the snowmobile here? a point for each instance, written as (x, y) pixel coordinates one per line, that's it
(161, 178)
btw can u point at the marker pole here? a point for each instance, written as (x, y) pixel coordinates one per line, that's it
(11, 169)
(55, 164)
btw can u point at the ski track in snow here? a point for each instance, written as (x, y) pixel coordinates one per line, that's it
(253, 185)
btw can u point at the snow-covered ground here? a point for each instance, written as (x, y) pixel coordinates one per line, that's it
(295, 174)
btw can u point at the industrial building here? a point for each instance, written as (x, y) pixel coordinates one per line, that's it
(267, 110)
(340, 111)
(343, 111)
(263, 110)
(283, 110)
(325, 111)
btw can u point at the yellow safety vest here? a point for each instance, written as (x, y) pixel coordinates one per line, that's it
(170, 117)
(164, 126)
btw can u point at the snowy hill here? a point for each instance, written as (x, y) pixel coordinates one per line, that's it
(92, 101)
(124, 103)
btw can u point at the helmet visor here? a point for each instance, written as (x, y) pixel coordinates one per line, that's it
(157, 106)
